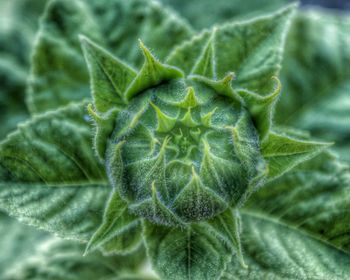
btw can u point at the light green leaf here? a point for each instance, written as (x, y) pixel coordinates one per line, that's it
(250, 49)
(283, 152)
(50, 183)
(119, 232)
(59, 75)
(275, 250)
(186, 253)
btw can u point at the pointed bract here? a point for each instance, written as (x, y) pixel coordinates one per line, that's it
(147, 171)
(282, 152)
(261, 108)
(155, 210)
(188, 120)
(165, 123)
(190, 100)
(117, 223)
(104, 126)
(205, 65)
(207, 118)
(114, 159)
(151, 74)
(197, 202)
(221, 87)
(109, 76)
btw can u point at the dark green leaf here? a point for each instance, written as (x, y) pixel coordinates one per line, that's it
(274, 250)
(312, 198)
(196, 11)
(250, 49)
(199, 251)
(283, 152)
(120, 232)
(62, 260)
(59, 75)
(49, 176)
(316, 77)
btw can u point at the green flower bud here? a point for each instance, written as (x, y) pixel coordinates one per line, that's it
(181, 148)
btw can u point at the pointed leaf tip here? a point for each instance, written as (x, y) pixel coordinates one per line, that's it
(152, 73)
(221, 87)
(165, 122)
(188, 119)
(284, 153)
(207, 118)
(190, 100)
(230, 76)
(92, 113)
(147, 53)
(205, 65)
(119, 232)
(262, 107)
(104, 126)
(278, 87)
(82, 38)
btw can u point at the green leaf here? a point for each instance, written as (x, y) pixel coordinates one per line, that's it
(296, 227)
(251, 49)
(29, 254)
(119, 232)
(152, 73)
(12, 107)
(188, 253)
(50, 183)
(196, 11)
(313, 198)
(17, 30)
(58, 74)
(199, 251)
(316, 77)
(62, 260)
(109, 76)
(283, 152)
(275, 250)
(17, 242)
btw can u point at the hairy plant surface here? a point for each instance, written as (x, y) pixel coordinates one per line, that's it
(153, 150)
